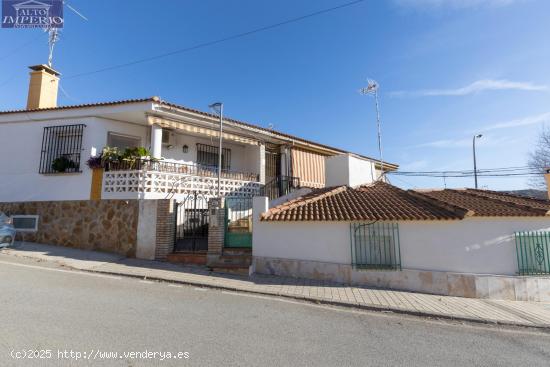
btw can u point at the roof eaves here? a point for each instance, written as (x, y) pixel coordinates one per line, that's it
(85, 105)
(173, 105)
(302, 201)
(274, 132)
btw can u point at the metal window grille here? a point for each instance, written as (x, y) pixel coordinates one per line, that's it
(375, 246)
(207, 155)
(61, 149)
(533, 252)
(272, 165)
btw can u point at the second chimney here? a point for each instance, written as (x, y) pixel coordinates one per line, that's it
(42, 87)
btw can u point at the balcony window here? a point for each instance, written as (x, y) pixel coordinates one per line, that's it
(122, 142)
(61, 149)
(207, 155)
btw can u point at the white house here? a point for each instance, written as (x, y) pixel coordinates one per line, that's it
(471, 243)
(50, 157)
(183, 144)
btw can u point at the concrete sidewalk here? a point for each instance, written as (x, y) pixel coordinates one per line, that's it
(532, 314)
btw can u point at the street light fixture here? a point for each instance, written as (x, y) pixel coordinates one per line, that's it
(218, 108)
(372, 89)
(474, 149)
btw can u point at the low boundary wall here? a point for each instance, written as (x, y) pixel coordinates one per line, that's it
(132, 228)
(497, 287)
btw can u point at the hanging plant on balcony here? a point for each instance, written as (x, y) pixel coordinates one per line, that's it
(112, 158)
(95, 162)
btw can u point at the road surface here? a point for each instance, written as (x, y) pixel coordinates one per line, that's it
(69, 318)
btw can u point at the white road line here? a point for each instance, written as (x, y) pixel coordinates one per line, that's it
(61, 270)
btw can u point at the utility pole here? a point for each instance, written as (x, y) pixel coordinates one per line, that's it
(372, 89)
(218, 108)
(474, 149)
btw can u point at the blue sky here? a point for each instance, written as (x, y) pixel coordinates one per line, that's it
(447, 69)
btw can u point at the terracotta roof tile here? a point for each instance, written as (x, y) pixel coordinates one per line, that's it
(489, 204)
(512, 198)
(382, 201)
(84, 105)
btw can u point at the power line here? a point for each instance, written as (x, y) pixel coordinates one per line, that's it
(500, 169)
(518, 171)
(214, 42)
(527, 174)
(17, 49)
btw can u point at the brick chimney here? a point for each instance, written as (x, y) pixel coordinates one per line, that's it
(42, 87)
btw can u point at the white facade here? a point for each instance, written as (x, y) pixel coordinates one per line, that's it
(350, 170)
(473, 245)
(21, 144)
(21, 138)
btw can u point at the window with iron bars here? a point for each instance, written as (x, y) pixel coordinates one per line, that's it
(61, 149)
(375, 246)
(207, 155)
(533, 252)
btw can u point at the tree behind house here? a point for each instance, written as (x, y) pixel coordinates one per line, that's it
(539, 159)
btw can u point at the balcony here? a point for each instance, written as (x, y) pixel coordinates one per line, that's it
(148, 179)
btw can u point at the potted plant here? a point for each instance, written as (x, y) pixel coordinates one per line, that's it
(63, 164)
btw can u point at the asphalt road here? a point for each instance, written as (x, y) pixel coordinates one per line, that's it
(45, 307)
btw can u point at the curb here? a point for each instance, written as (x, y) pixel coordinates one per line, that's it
(316, 300)
(324, 301)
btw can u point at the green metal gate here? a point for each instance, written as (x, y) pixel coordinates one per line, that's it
(238, 222)
(375, 246)
(532, 250)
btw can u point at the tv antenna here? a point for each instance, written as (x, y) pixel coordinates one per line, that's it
(53, 33)
(372, 89)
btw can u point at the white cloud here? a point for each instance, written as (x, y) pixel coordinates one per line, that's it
(445, 143)
(475, 87)
(488, 141)
(455, 4)
(525, 121)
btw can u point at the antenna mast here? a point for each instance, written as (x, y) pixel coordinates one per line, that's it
(53, 33)
(372, 89)
(53, 37)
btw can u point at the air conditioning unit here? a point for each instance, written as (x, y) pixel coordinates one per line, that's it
(168, 137)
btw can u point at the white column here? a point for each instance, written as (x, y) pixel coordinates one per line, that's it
(260, 205)
(156, 141)
(260, 167)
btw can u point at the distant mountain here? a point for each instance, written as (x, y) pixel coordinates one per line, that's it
(537, 194)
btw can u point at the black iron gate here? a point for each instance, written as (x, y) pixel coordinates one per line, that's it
(192, 224)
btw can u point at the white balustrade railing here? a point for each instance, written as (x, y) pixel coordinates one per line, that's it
(151, 184)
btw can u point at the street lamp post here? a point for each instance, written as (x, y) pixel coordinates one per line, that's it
(218, 107)
(474, 149)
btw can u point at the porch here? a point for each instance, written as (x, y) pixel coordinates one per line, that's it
(151, 179)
